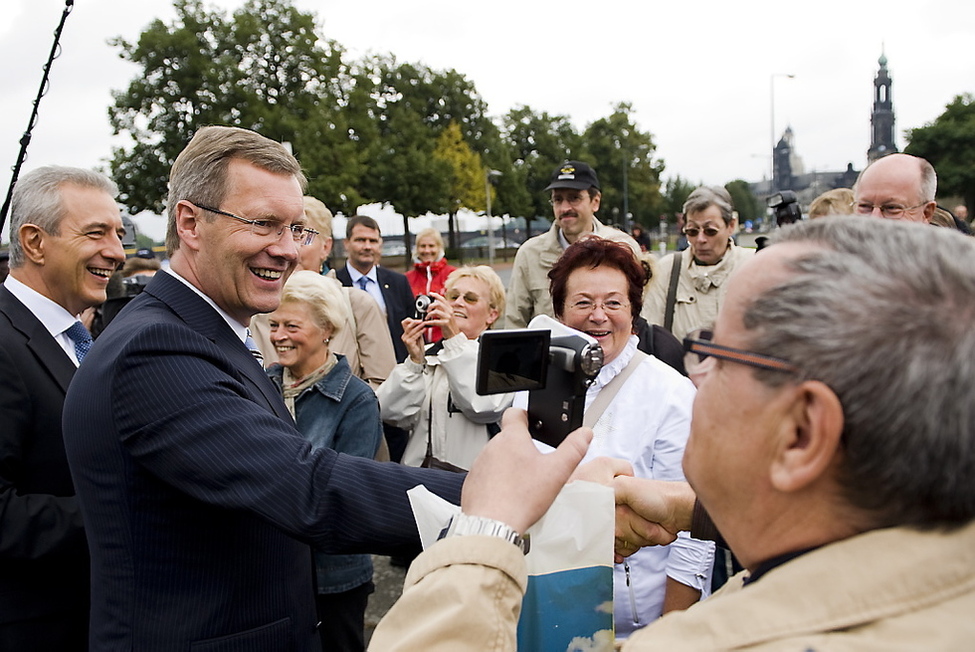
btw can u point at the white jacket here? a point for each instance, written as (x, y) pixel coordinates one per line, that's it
(460, 417)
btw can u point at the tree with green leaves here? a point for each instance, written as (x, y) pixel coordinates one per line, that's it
(265, 69)
(466, 177)
(676, 192)
(948, 144)
(623, 157)
(539, 142)
(745, 202)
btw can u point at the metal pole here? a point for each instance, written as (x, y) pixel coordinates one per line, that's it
(490, 230)
(25, 139)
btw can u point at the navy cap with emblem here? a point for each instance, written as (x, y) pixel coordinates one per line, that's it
(574, 174)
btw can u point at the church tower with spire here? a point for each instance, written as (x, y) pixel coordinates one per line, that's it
(882, 117)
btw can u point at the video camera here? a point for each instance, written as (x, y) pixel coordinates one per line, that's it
(556, 372)
(785, 205)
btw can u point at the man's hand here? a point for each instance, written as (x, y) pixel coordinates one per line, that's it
(650, 512)
(602, 470)
(512, 482)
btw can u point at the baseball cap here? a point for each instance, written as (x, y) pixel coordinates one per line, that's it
(574, 174)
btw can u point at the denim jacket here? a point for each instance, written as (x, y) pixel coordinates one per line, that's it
(340, 412)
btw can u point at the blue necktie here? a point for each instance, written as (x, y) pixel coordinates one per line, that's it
(81, 338)
(363, 282)
(252, 347)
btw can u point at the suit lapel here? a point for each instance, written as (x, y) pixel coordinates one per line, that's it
(202, 318)
(48, 352)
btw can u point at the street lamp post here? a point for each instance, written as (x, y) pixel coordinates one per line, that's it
(771, 179)
(488, 173)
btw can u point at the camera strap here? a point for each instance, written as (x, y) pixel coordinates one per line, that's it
(672, 292)
(608, 392)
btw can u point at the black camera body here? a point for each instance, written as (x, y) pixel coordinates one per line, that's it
(134, 285)
(556, 372)
(421, 305)
(785, 205)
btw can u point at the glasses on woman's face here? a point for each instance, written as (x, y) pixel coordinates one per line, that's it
(470, 298)
(693, 231)
(585, 306)
(700, 354)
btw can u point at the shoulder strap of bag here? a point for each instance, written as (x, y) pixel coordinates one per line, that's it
(672, 293)
(608, 392)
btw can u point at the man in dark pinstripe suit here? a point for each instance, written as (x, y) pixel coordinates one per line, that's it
(200, 499)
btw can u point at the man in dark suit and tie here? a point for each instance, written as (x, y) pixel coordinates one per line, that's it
(391, 290)
(65, 243)
(199, 496)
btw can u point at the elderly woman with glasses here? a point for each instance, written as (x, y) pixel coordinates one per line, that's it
(332, 408)
(690, 284)
(597, 288)
(431, 393)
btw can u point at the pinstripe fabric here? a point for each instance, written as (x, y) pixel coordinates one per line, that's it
(200, 497)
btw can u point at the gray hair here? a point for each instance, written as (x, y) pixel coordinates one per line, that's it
(322, 296)
(37, 200)
(706, 196)
(199, 173)
(929, 181)
(881, 312)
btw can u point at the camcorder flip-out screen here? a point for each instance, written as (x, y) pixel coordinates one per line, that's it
(555, 372)
(512, 361)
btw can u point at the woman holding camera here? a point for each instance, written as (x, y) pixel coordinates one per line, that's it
(597, 288)
(430, 270)
(332, 408)
(431, 393)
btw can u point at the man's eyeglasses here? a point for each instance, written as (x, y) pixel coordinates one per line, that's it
(585, 306)
(700, 353)
(470, 298)
(266, 228)
(891, 211)
(693, 231)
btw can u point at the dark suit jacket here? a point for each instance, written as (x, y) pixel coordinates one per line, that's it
(199, 495)
(399, 302)
(43, 555)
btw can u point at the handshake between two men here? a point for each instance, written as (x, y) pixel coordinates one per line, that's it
(512, 482)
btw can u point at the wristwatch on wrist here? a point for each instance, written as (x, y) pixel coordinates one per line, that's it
(464, 524)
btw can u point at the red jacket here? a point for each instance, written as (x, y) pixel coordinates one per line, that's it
(428, 277)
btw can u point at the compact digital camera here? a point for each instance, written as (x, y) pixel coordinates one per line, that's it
(421, 305)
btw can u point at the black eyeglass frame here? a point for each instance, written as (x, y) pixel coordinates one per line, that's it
(300, 233)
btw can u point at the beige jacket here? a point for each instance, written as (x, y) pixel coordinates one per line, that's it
(700, 289)
(892, 589)
(528, 291)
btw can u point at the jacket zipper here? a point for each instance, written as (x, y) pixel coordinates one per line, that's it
(629, 587)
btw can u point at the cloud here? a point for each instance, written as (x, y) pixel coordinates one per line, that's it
(601, 641)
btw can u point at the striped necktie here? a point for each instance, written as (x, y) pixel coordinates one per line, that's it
(81, 338)
(252, 347)
(363, 282)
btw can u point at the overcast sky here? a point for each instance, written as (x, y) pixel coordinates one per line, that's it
(698, 74)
